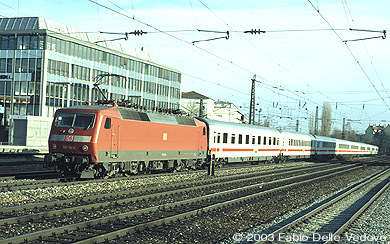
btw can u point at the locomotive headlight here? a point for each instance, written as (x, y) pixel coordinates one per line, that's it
(54, 146)
(84, 148)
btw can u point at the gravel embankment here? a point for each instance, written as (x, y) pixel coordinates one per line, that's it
(224, 223)
(373, 226)
(21, 197)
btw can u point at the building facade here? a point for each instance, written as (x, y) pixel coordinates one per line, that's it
(373, 132)
(191, 102)
(222, 111)
(45, 65)
(226, 111)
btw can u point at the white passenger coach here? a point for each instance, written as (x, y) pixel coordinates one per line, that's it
(233, 142)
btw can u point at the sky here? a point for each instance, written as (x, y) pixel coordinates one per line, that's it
(307, 55)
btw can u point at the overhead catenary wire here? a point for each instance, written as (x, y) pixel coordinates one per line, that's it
(345, 4)
(253, 31)
(187, 42)
(181, 40)
(176, 38)
(352, 54)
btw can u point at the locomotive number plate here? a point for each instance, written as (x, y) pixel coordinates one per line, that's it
(69, 137)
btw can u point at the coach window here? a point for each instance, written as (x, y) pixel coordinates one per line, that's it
(247, 139)
(233, 138)
(239, 139)
(270, 141)
(219, 138)
(225, 137)
(259, 140)
(204, 131)
(107, 124)
(253, 139)
(274, 142)
(265, 140)
(277, 141)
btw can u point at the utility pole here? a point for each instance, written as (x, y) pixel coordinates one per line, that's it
(297, 126)
(201, 108)
(343, 131)
(316, 122)
(252, 102)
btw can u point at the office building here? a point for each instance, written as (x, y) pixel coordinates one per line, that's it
(45, 65)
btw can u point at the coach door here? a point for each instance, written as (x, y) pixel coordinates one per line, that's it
(114, 139)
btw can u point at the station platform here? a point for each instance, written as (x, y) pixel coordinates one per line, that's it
(28, 150)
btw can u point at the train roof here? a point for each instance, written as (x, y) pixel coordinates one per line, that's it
(137, 115)
(293, 133)
(247, 126)
(132, 114)
(236, 125)
(88, 107)
(335, 140)
(324, 138)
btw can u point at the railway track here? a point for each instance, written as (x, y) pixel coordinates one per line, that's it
(39, 174)
(15, 181)
(17, 213)
(19, 181)
(112, 217)
(328, 222)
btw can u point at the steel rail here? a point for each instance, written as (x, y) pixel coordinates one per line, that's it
(153, 189)
(106, 200)
(358, 213)
(27, 185)
(199, 205)
(322, 207)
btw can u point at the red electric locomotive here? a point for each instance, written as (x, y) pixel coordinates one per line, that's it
(102, 141)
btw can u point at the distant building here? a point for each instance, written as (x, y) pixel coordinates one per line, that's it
(374, 131)
(222, 111)
(45, 65)
(190, 103)
(226, 111)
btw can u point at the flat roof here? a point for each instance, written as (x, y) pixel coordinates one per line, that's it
(29, 24)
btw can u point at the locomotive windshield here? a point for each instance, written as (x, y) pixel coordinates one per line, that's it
(75, 120)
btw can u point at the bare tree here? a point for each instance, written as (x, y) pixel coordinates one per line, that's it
(350, 134)
(326, 120)
(192, 108)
